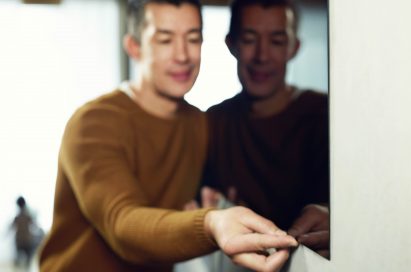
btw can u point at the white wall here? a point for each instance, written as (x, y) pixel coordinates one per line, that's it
(53, 58)
(309, 69)
(370, 139)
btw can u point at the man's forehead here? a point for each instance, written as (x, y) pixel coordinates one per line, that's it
(271, 17)
(169, 17)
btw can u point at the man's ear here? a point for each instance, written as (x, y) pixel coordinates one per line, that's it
(293, 50)
(132, 47)
(230, 45)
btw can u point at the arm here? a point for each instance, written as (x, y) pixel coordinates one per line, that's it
(97, 158)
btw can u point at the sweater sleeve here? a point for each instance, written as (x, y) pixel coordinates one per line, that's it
(94, 158)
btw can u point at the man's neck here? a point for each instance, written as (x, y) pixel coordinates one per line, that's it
(154, 103)
(273, 104)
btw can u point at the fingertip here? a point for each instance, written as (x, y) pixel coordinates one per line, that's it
(280, 232)
(294, 243)
(293, 232)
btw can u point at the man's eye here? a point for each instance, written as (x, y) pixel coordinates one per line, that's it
(277, 42)
(195, 40)
(248, 40)
(164, 41)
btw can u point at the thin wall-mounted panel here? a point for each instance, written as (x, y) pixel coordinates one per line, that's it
(370, 98)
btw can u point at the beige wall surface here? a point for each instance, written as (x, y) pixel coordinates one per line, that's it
(370, 115)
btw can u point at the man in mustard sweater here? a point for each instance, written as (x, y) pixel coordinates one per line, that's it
(131, 159)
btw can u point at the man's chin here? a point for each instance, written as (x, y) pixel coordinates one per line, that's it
(258, 95)
(178, 97)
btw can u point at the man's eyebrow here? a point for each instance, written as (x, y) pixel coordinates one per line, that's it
(169, 32)
(279, 33)
(273, 33)
(194, 30)
(164, 32)
(248, 31)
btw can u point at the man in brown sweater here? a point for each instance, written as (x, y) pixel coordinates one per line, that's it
(130, 159)
(270, 142)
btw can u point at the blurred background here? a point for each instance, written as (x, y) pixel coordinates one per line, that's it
(55, 57)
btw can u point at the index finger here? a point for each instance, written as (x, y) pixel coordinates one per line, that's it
(259, 224)
(254, 242)
(315, 240)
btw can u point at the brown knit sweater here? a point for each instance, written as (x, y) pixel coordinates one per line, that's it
(278, 163)
(122, 176)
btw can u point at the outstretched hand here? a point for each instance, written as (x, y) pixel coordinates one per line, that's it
(245, 236)
(312, 229)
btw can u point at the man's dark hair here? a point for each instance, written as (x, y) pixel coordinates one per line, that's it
(237, 6)
(135, 13)
(21, 202)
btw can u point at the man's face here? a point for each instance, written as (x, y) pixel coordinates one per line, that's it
(170, 48)
(265, 44)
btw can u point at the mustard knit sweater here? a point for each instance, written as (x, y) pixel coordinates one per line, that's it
(123, 174)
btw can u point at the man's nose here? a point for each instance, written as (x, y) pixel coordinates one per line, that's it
(262, 51)
(181, 51)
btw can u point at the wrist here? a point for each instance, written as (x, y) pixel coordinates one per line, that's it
(209, 224)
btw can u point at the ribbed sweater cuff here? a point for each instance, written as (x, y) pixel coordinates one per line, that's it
(200, 232)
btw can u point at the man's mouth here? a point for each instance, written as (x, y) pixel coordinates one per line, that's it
(180, 76)
(259, 76)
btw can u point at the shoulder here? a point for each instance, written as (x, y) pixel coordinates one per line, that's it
(106, 108)
(309, 101)
(315, 97)
(114, 102)
(310, 111)
(226, 107)
(105, 115)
